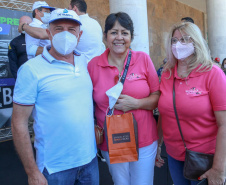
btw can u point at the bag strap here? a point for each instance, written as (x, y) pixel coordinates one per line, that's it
(126, 68)
(175, 111)
(123, 78)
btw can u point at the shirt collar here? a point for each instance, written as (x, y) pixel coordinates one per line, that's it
(84, 15)
(45, 54)
(194, 73)
(49, 58)
(104, 59)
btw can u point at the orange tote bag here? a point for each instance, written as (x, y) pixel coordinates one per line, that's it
(122, 138)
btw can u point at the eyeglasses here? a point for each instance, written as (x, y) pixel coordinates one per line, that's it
(183, 40)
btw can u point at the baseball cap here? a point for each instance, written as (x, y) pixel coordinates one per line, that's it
(42, 4)
(217, 59)
(64, 14)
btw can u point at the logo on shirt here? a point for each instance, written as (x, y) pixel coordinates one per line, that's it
(193, 91)
(133, 76)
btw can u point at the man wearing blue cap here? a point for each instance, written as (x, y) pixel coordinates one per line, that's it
(56, 86)
(41, 14)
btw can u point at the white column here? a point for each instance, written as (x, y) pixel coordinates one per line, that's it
(216, 19)
(137, 10)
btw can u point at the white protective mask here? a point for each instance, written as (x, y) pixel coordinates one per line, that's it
(45, 18)
(114, 93)
(224, 65)
(181, 51)
(64, 42)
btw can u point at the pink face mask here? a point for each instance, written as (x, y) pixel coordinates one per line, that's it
(181, 51)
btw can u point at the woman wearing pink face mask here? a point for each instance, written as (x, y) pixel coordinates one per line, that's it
(200, 88)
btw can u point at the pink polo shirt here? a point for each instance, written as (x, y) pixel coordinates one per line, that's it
(141, 80)
(197, 97)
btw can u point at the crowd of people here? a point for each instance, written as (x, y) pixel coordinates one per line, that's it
(62, 80)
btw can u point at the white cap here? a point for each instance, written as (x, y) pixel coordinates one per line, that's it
(64, 14)
(42, 4)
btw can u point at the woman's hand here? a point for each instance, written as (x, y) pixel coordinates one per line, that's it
(214, 177)
(159, 162)
(126, 103)
(217, 174)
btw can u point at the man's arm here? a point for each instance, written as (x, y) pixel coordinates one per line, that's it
(33, 47)
(38, 33)
(22, 143)
(13, 59)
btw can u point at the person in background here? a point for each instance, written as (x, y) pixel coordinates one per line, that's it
(159, 71)
(187, 19)
(90, 42)
(200, 89)
(41, 14)
(17, 50)
(223, 65)
(57, 88)
(105, 71)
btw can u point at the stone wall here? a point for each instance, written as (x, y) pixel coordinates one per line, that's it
(162, 14)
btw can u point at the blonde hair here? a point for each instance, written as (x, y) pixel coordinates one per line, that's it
(201, 55)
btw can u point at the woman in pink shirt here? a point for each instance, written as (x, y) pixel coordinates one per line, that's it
(140, 96)
(200, 89)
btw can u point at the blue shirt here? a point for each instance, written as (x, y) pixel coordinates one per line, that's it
(63, 110)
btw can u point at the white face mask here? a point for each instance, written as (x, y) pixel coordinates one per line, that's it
(64, 42)
(45, 18)
(114, 93)
(181, 51)
(224, 65)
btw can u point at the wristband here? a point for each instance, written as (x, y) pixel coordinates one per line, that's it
(22, 27)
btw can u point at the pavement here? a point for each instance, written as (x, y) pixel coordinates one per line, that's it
(12, 171)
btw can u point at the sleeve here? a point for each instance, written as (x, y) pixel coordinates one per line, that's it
(89, 67)
(12, 55)
(152, 77)
(92, 69)
(32, 45)
(217, 89)
(25, 90)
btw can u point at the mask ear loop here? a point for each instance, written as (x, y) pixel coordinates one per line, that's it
(50, 33)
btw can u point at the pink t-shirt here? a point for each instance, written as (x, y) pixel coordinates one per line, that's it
(197, 97)
(141, 80)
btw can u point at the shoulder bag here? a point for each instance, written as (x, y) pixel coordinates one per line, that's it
(196, 163)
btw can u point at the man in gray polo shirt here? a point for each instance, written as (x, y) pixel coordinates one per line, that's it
(57, 87)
